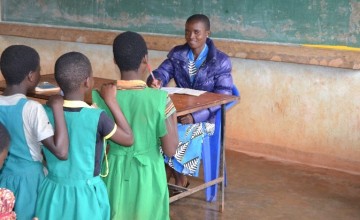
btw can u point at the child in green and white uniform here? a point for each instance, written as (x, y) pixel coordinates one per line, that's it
(73, 188)
(28, 126)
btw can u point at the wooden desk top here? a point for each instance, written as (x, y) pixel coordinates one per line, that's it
(184, 104)
(50, 78)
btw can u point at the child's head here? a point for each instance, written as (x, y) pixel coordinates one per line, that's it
(129, 50)
(17, 62)
(4, 144)
(71, 70)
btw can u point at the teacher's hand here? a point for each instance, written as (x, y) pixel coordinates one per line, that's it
(155, 83)
(186, 119)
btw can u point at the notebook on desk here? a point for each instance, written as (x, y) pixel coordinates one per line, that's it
(187, 91)
(47, 87)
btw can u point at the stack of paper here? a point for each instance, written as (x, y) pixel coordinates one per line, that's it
(187, 91)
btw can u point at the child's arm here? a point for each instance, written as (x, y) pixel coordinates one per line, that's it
(123, 134)
(170, 141)
(59, 143)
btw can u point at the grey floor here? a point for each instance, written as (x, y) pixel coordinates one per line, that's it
(262, 189)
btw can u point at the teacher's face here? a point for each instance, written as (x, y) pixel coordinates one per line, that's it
(195, 35)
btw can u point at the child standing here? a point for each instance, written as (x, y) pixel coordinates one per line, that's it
(28, 125)
(73, 188)
(137, 181)
(7, 198)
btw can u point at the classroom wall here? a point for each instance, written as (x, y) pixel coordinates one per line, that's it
(325, 22)
(289, 112)
(309, 114)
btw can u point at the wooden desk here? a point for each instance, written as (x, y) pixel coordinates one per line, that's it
(184, 104)
(51, 79)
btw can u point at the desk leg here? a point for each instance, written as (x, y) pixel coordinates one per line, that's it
(221, 179)
(222, 156)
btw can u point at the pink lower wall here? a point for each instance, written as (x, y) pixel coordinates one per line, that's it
(290, 112)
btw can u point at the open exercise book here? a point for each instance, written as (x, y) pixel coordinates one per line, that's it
(47, 87)
(172, 90)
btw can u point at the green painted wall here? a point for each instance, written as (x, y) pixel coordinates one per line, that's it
(328, 22)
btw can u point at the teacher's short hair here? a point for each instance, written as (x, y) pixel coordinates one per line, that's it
(200, 17)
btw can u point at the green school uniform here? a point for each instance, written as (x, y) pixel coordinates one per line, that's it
(72, 190)
(136, 181)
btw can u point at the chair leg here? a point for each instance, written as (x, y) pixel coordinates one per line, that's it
(207, 166)
(211, 155)
(211, 163)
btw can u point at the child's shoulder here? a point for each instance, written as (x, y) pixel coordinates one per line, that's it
(144, 92)
(11, 99)
(158, 92)
(34, 103)
(157, 95)
(20, 99)
(93, 109)
(34, 106)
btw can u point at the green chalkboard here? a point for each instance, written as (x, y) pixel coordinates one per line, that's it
(327, 22)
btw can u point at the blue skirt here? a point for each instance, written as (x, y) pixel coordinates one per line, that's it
(66, 198)
(188, 153)
(24, 182)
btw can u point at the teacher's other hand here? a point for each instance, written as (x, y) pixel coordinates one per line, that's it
(186, 119)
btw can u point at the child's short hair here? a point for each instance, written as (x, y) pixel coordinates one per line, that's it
(4, 138)
(200, 17)
(129, 49)
(71, 69)
(17, 61)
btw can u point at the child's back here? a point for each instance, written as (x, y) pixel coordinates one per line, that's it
(137, 175)
(27, 124)
(136, 182)
(74, 181)
(73, 188)
(23, 168)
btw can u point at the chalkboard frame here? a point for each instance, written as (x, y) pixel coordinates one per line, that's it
(326, 22)
(291, 53)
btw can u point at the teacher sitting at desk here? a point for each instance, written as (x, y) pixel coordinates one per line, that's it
(199, 65)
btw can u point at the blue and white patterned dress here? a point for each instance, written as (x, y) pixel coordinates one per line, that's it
(191, 136)
(188, 154)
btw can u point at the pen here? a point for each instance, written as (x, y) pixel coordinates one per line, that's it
(152, 75)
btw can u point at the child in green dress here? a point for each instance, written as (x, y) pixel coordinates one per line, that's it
(136, 182)
(73, 188)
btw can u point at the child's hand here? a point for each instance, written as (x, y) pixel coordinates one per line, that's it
(55, 101)
(108, 92)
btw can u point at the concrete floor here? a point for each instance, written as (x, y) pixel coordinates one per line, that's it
(262, 189)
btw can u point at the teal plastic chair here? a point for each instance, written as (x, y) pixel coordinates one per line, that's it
(211, 153)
